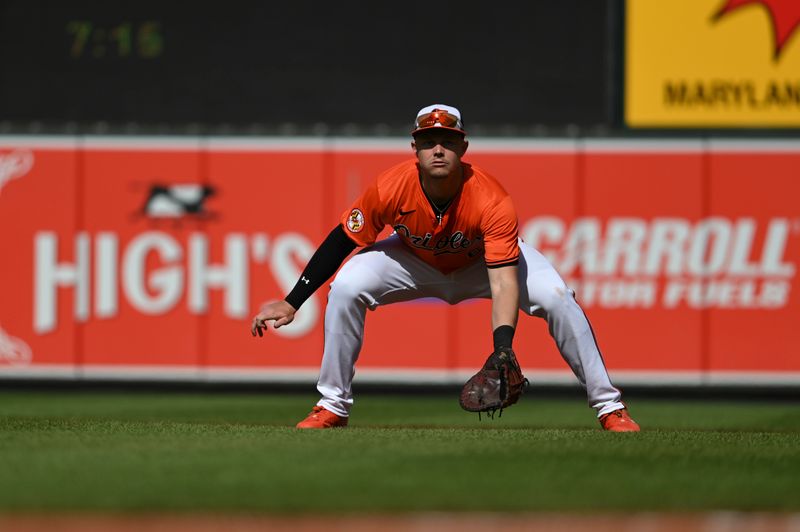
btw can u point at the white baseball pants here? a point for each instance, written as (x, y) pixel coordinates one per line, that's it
(387, 272)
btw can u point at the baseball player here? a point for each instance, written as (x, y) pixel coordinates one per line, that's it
(455, 238)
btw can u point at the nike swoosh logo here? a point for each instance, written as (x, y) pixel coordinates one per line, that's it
(403, 213)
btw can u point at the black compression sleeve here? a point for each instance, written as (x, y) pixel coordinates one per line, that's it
(323, 264)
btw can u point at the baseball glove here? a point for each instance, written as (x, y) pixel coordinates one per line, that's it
(496, 386)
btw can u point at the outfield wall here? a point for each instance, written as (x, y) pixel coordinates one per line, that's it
(137, 257)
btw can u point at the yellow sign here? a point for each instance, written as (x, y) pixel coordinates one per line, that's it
(712, 63)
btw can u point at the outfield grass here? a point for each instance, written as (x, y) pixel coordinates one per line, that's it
(237, 452)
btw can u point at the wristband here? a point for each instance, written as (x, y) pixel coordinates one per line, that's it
(503, 336)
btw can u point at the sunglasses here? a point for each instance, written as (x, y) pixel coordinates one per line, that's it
(442, 118)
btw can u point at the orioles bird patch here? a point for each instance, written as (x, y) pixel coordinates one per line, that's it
(355, 222)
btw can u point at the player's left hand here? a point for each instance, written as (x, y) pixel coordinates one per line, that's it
(279, 312)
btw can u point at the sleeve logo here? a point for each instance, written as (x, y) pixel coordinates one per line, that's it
(355, 222)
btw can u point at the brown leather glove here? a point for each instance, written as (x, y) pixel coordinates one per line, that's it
(496, 386)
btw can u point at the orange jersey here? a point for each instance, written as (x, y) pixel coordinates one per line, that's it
(481, 221)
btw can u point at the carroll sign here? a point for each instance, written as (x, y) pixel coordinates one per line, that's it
(713, 262)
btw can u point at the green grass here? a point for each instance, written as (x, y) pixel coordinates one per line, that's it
(237, 452)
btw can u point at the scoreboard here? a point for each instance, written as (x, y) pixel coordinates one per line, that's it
(244, 62)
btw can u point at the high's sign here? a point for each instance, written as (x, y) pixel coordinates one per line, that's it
(712, 63)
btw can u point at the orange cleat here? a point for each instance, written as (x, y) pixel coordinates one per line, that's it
(619, 421)
(319, 418)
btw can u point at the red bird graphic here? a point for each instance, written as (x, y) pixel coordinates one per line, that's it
(784, 14)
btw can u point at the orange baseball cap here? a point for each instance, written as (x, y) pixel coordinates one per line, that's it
(439, 116)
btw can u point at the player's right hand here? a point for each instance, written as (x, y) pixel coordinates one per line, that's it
(279, 312)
